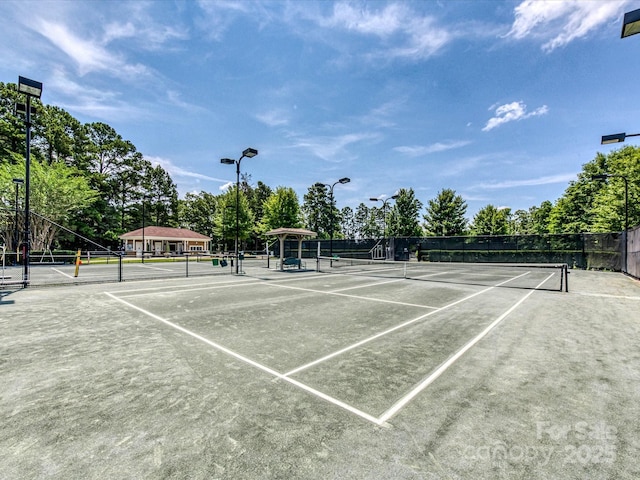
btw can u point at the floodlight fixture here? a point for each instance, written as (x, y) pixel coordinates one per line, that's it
(344, 180)
(631, 23)
(616, 138)
(29, 87)
(227, 161)
(250, 152)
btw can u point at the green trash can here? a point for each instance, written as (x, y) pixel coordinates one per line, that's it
(214, 261)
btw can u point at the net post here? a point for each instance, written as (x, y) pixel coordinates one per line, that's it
(566, 277)
(120, 255)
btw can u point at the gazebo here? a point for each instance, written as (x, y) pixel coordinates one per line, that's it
(282, 233)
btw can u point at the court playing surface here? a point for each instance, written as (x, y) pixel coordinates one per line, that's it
(317, 375)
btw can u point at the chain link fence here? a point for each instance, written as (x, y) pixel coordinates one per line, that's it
(600, 251)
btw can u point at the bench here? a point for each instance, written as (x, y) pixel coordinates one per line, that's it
(290, 262)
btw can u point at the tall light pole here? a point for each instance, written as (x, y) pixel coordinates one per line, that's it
(16, 242)
(249, 153)
(626, 210)
(32, 89)
(144, 199)
(332, 216)
(385, 202)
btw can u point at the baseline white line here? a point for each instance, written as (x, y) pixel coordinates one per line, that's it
(250, 362)
(440, 370)
(393, 329)
(61, 272)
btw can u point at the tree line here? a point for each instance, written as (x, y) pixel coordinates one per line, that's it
(90, 180)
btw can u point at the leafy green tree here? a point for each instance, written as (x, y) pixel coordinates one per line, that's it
(375, 222)
(281, 209)
(12, 134)
(446, 214)
(520, 222)
(225, 216)
(56, 192)
(197, 212)
(491, 221)
(348, 224)
(162, 194)
(539, 218)
(256, 196)
(360, 220)
(609, 203)
(403, 219)
(63, 139)
(573, 211)
(316, 210)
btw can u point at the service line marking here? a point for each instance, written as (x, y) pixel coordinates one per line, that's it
(337, 292)
(156, 268)
(381, 421)
(61, 272)
(442, 368)
(250, 362)
(393, 329)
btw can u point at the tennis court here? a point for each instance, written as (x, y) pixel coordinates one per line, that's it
(301, 374)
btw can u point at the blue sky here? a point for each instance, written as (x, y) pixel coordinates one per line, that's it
(502, 101)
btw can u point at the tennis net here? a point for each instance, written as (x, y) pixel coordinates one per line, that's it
(540, 276)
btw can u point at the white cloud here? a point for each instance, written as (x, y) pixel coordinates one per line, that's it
(560, 22)
(420, 150)
(89, 55)
(404, 33)
(273, 118)
(510, 112)
(550, 179)
(226, 186)
(176, 171)
(333, 149)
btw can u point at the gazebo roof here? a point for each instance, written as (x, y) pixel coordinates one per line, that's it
(294, 232)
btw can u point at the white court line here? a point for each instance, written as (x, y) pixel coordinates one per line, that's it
(156, 268)
(393, 329)
(608, 295)
(254, 364)
(153, 291)
(367, 285)
(61, 272)
(336, 292)
(440, 370)
(378, 421)
(381, 283)
(245, 280)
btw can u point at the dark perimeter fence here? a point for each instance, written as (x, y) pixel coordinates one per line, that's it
(599, 251)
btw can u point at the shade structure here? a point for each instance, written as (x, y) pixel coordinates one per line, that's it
(299, 233)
